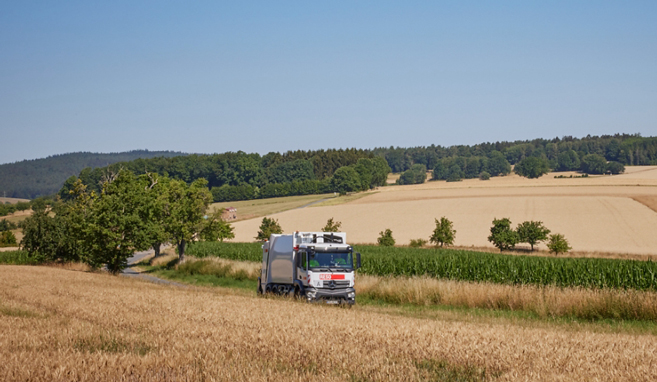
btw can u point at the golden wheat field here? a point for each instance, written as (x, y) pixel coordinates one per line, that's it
(62, 325)
(596, 214)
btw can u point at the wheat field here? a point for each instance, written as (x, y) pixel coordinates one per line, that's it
(62, 325)
(607, 214)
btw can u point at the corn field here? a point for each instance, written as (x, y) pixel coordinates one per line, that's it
(476, 266)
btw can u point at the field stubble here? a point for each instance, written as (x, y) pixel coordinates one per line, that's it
(81, 326)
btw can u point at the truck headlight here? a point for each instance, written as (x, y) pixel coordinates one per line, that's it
(351, 294)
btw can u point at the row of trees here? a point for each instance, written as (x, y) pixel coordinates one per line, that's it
(130, 213)
(502, 235)
(249, 176)
(33, 178)
(234, 169)
(628, 149)
(531, 232)
(456, 168)
(535, 167)
(365, 174)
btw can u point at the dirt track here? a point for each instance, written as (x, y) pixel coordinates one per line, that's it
(603, 214)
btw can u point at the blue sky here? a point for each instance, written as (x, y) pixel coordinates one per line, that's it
(277, 76)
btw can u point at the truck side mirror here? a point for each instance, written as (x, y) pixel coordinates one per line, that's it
(357, 260)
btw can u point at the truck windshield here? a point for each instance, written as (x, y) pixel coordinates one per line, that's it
(331, 260)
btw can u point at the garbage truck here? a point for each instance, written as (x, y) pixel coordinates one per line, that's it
(312, 266)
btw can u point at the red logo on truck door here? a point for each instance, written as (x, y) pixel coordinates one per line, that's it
(331, 277)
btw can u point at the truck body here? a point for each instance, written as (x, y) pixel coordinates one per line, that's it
(315, 266)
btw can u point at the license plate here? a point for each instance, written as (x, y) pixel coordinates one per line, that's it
(332, 302)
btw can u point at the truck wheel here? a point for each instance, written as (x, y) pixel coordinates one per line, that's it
(268, 289)
(297, 293)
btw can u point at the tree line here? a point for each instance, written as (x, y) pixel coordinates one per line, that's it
(501, 236)
(241, 176)
(33, 178)
(130, 213)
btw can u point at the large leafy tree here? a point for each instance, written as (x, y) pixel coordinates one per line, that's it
(184, 211)
(345, 179)
(115, 228)
(152, 211)
(532, 232)
(532, 167)
(594, 164)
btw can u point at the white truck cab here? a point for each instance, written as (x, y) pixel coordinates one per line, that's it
(316, 266)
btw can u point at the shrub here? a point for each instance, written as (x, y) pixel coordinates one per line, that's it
(385, 238)
(415, 175)
(444, 233)
(267, 228)
(532, 232)
(501, 234)
(484, 176)
(418, 243)
(558, 244)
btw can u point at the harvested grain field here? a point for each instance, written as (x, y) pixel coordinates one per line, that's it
(58, 325)
(596, 214)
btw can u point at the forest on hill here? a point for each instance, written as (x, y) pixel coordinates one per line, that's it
(30, 179)
(243, 176)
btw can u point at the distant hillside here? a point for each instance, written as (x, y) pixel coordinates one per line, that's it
(40, 177)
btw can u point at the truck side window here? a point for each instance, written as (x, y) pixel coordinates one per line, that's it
(301, 260)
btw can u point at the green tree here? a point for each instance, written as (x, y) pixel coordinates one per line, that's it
(415, 175)
(184, 211)
(501, 234)
(7, 239)
(380, 171)
(558, 244)
(594, 164)
(444, 233)
(497, 164)
(214, 227)
(268, 227)
(532, 232)
(152, 211)
(615, 168)
(455, 173)
(484, 176)
(439, 171)
(385, 238)
(532, 167)
(345, 179)
(332, 226)
(365, 168)
(568, 161)
(115, 229)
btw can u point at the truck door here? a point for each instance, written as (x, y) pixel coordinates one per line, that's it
(264, 268)
(302, 266)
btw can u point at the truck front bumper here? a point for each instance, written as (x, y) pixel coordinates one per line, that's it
(331, 296)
